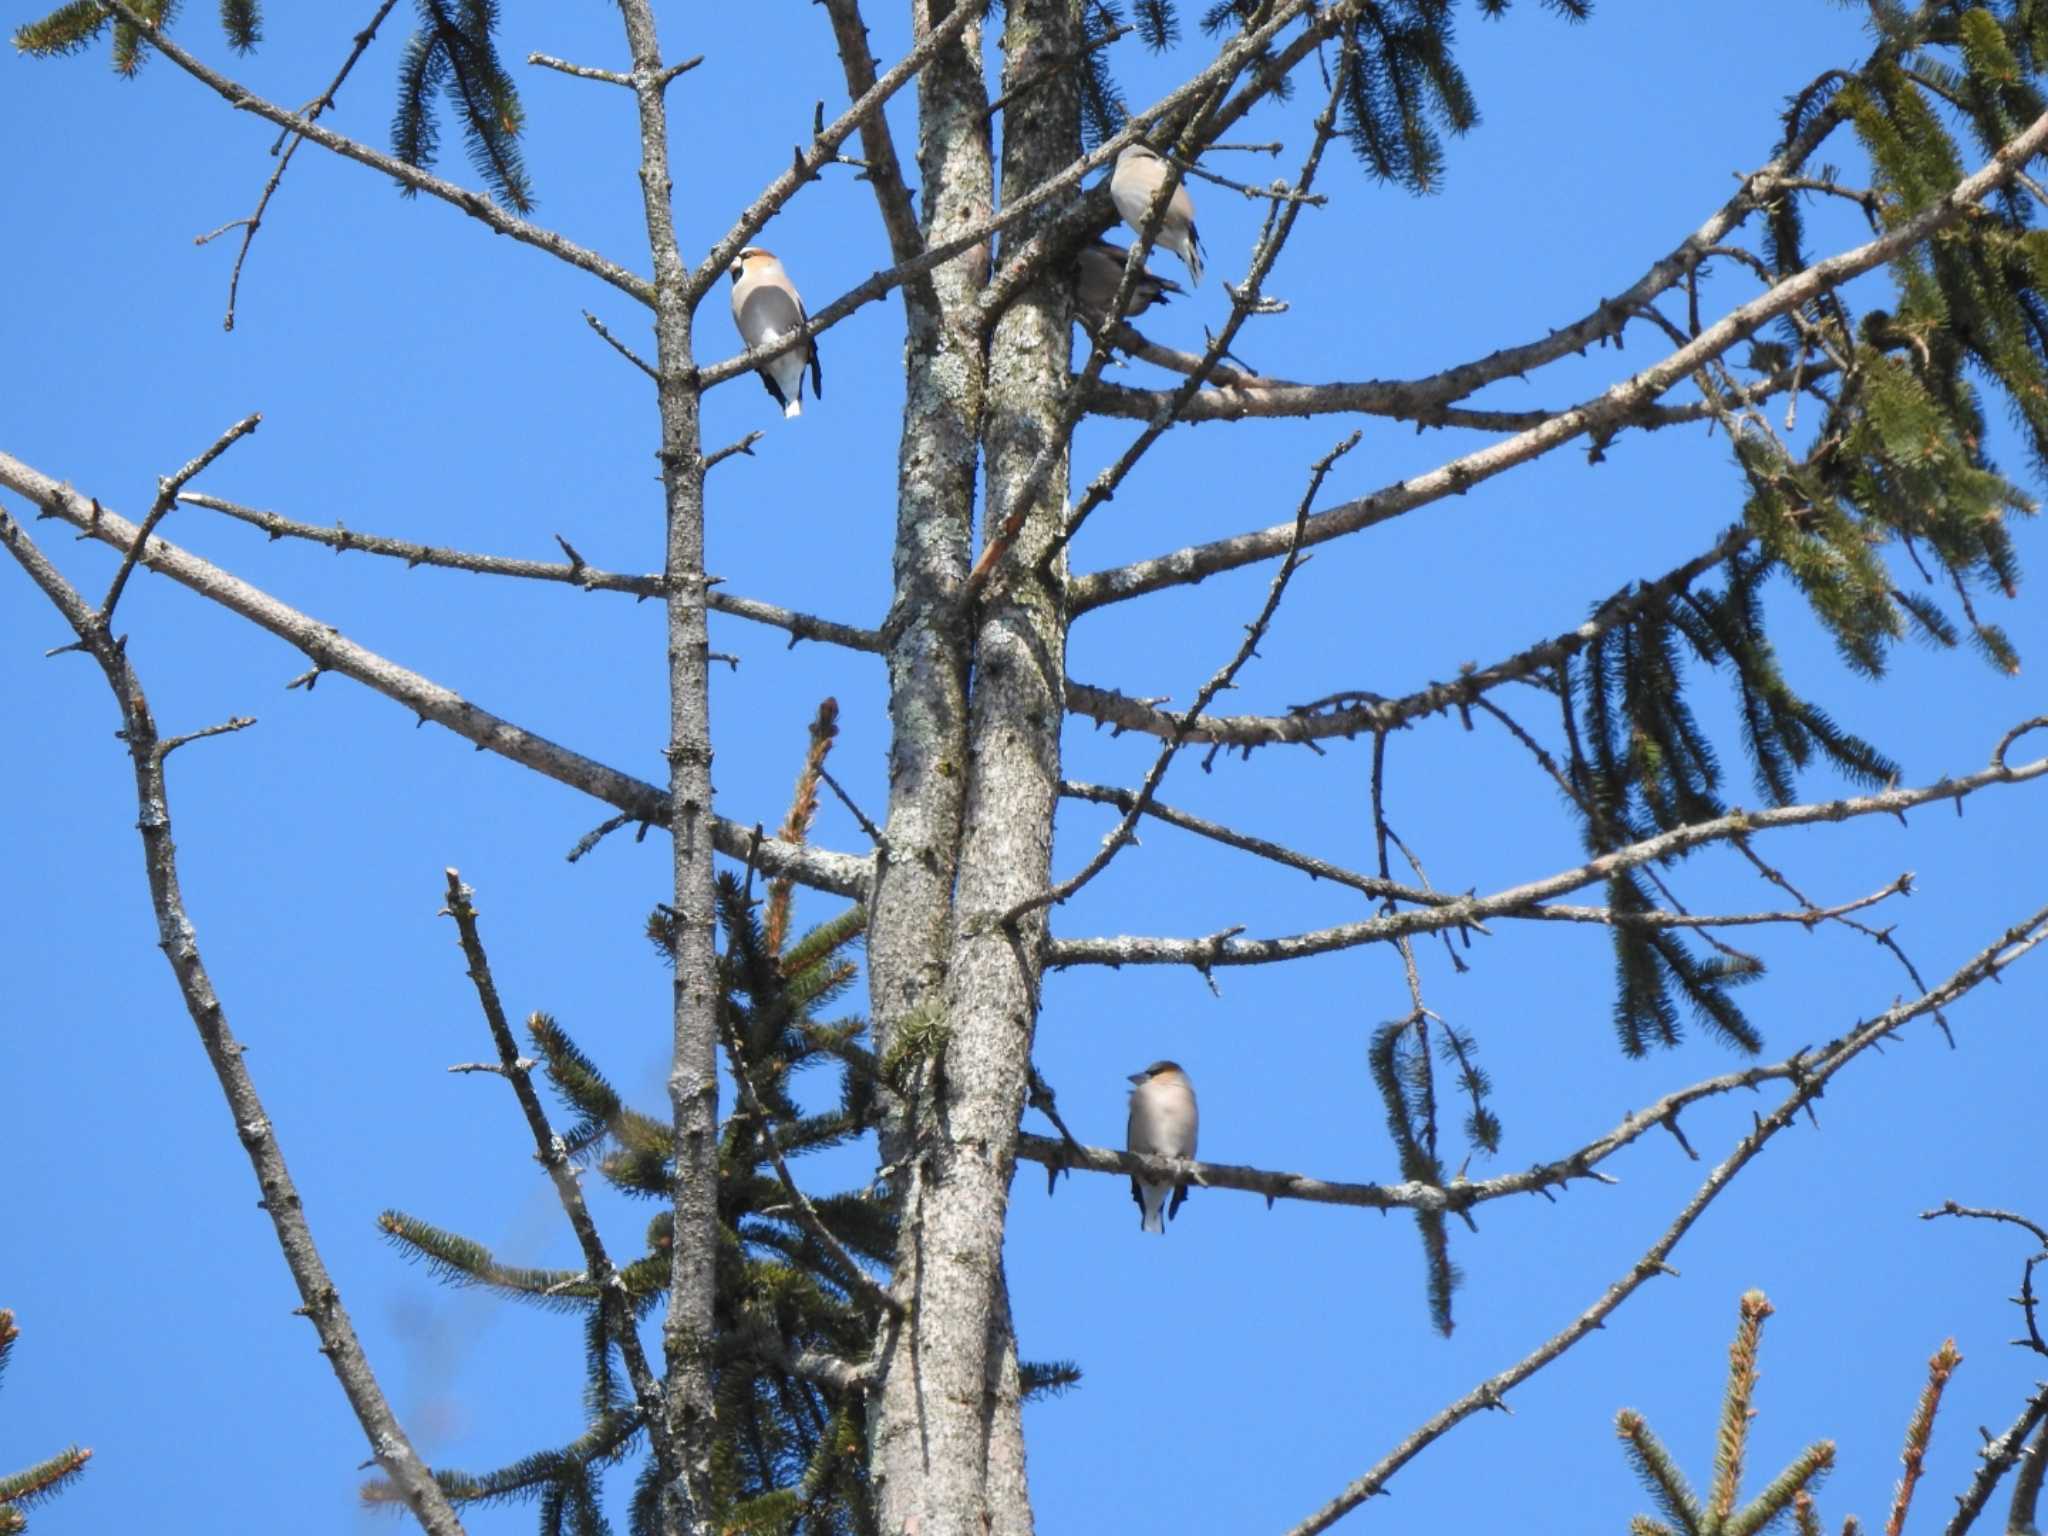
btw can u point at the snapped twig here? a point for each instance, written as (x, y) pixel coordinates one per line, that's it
(166, 498)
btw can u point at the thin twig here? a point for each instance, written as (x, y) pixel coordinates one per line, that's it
(874, 832)
(1203, 952)
(2015, 942)
(1221, 679)
(167, 498)
(580, 71)
(320, 1301)
(330, 651)
(745, 445)
(806, 1214)
(286, 146)
(225, 728)
(577, 573)
(619, 346)
(614, 1304)
(476, 204)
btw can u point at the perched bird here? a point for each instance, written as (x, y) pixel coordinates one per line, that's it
(766, 308)
(1163, 1122)
(1140, 173)
(1097, 272)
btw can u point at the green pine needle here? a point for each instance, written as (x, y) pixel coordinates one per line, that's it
(67, 29)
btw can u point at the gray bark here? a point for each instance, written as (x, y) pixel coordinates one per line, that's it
(927, 659)
(948, 1439)
(687, 1332)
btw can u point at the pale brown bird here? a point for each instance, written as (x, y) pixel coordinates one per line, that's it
(766, 308)
(1163, 1122)
(1097, 272)
(1140, 173)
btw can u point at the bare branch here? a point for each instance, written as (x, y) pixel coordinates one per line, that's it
(287, 146)
(1308, 864)
(341, 540)
(1359, 714)
(320, 1301)
(1458, 1196)
(167, 498)
(1204, 953)
(620, 347)
(226, 728)
(1221, 679)
(1610, 410)
(878, 147)
(616, 1307)
(1951, 1208)
(330, 651)
(744, 446)
(583, 71)
(577, 573)
(476, 204)
(2015, 942)
(1244, 396)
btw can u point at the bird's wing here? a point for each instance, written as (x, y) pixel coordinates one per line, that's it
(817, 370)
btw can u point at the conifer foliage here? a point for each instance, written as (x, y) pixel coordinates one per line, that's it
(792, 1452)
(1405, 92)
(454, 54)
(79, 23)
(41, 1481)
(1791, 1492)
(1867, 490)
(1893, 472)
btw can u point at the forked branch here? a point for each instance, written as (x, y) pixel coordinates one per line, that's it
(320, 1300)
(1205, 953)
(330, 651)
(1818, 1071)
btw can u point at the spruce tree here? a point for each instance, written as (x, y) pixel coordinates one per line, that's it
(850, 1362)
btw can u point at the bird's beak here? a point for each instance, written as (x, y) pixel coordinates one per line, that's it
(1138, 1077)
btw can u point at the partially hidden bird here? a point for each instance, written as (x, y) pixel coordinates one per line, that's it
(1163, 1122)
(766, 308)
(1140, 173)
(1098, 271)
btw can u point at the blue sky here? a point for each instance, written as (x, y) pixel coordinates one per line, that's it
(420, 377)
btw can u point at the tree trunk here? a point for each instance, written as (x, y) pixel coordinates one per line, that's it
(911, 907)
(974, 781)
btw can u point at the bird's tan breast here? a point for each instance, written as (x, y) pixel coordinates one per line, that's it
(1164, 1119)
